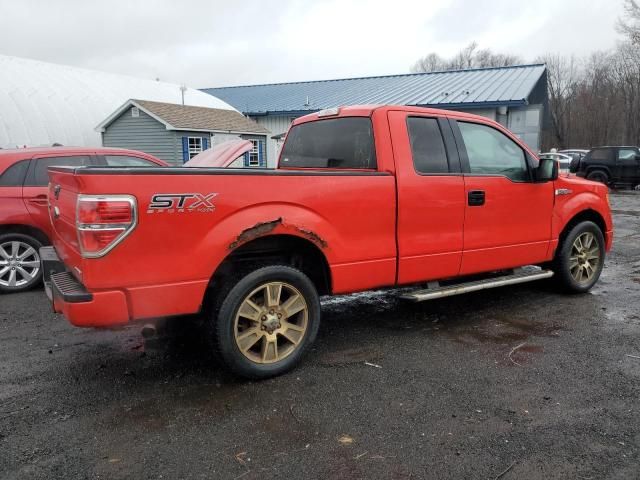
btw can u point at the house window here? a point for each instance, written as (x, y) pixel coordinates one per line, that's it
(195, 146)
(256, 157)
(254, 154)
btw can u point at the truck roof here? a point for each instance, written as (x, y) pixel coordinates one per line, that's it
(367, 110)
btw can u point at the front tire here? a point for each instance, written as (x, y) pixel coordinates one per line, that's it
(266, 322)
(598, 176)
(20, 267)
(580, 258)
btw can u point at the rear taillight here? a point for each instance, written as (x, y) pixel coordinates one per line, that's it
(103, 221)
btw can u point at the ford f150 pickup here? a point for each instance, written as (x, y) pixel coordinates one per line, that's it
(364, 197)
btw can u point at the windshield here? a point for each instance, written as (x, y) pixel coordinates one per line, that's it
(333, 143)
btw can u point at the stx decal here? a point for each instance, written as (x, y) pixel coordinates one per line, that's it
(182, 202)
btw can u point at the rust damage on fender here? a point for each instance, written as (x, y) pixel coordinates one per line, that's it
(263, 228)
(258, 230)
(313, 236)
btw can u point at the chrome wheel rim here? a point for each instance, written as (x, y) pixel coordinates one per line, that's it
(584, 261)
(19, 264)
(271, 322)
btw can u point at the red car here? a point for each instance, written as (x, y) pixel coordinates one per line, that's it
(24, 217)
(363, 197)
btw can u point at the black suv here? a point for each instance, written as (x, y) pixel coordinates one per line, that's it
(610, 165)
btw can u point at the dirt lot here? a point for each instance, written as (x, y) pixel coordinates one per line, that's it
(517, 381)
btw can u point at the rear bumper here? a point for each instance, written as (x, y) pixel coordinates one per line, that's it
(69, 297)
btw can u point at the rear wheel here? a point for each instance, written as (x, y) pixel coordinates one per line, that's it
(266, 322)
(599, 176)
(19, 262)
(580, 258)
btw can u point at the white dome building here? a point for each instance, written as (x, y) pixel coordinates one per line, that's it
(44, 103)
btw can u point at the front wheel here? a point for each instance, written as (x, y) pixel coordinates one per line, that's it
(580, 258)
(598, 176)
(266, 322)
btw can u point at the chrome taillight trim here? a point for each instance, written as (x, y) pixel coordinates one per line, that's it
(126, 228)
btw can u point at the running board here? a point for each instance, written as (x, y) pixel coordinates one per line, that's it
(520, 275)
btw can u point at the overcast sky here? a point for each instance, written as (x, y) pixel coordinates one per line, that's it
(218, 43)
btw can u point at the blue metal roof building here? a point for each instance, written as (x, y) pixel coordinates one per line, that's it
(515, 96)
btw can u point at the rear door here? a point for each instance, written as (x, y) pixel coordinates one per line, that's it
(34, 191)
(507, 216)
(431, 201)
(12, 208)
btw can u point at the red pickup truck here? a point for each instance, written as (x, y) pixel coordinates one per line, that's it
(364, 197)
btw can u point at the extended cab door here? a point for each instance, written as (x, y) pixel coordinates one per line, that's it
(431, 200)
(508, 216)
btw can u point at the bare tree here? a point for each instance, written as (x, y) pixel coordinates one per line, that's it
(468, 57)
(561, 82)
(629, 25)
(430, 63)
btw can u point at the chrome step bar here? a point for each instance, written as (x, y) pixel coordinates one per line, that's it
(520, 275)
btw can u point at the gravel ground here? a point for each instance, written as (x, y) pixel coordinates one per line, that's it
(520, 382)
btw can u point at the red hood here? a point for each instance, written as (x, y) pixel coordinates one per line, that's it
(221, 155)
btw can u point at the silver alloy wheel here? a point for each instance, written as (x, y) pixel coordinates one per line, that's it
(19, 264)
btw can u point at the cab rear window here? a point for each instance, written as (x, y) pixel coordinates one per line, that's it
(333, 143)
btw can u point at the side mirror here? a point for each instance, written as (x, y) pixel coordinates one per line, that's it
(574, 165)
(546, 171)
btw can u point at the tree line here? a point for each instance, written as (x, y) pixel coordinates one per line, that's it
(594, 100)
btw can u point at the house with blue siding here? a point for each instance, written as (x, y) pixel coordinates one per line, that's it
(514, 96)
(175, 133)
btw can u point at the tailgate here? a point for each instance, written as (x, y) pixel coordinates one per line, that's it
(63, 195)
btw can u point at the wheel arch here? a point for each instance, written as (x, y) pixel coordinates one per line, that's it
(25, 230)
(588, 214)
(275, 249)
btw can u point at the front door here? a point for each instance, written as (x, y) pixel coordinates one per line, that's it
(507, 216)
(431, 201)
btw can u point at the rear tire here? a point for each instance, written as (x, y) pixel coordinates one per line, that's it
(266, 322)
(598, 176)
(20, 267)
(580, 258)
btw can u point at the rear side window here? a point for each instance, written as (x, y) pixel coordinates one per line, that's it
(600, 154)
(491, 152)
(333, 143)
(427, 145)
(127, 161)
(14, 175)
(38, 175)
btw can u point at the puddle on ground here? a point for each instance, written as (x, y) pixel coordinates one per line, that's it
(499, 331)
(350, 356)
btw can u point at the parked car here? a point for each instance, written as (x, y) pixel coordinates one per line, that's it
(575, 153)
(563, 160)
(24, 218)
(615, 166)
(363, 198)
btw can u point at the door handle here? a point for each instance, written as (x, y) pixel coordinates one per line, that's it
(39, 200)
(476, 198)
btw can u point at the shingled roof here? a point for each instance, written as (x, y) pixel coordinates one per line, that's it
(187, 117)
